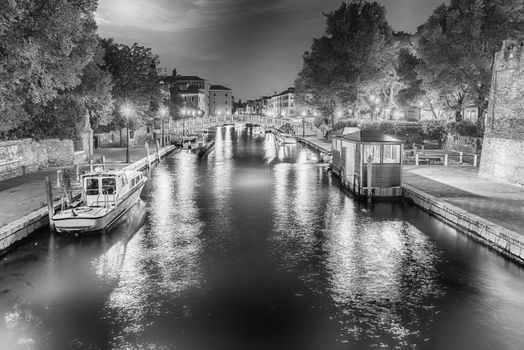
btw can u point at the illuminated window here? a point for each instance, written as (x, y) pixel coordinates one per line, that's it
(391, 154)
(374, 152)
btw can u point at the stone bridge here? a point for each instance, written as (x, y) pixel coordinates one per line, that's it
(190, 125)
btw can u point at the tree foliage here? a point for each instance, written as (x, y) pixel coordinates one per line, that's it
(353, 60)
(457, 46)
(135, 80)
(44, 48)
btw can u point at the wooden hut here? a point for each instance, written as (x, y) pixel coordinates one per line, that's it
(364, 156)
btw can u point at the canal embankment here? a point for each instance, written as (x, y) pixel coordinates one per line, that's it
(489, 212)
(23, 200)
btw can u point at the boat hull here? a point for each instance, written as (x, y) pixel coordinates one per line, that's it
(88, 220)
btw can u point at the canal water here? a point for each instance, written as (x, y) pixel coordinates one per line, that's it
(255, 247)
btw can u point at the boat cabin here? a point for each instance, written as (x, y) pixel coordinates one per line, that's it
(364, 155)
(105, 188)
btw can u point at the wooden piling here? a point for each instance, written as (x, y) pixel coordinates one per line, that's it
(157, 151)
(369, 177)
(67, 189)
(148, 158)
(50, 204)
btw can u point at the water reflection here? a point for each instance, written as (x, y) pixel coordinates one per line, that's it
(162, 259)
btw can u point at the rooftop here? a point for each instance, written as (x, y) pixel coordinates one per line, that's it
(368, 136)
(219, 87)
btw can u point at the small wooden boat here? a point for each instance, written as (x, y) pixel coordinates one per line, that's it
(106, 196)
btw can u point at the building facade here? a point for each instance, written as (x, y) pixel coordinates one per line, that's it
(220, 100)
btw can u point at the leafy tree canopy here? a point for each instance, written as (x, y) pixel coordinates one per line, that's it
(44, 48)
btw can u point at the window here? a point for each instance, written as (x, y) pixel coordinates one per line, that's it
(131, 134)
(109, 185)
(225, 102)
(91, 186)
(214, 94)
(391, 154)
(226, 94)
(374, 152)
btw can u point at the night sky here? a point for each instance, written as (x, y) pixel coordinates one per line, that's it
(254, 47)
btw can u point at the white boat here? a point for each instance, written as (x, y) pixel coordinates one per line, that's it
(287, 139)
(106, 196)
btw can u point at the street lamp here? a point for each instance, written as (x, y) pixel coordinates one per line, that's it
(127, 110)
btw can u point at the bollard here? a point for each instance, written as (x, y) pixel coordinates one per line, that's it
(50, 204)
(446, 159)
(102, 159)
(157, 151)
(475, 160)
(416, 159)
(461, 154)
(148, 158)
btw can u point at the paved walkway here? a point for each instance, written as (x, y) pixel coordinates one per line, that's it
(21, 195)
(499, 203)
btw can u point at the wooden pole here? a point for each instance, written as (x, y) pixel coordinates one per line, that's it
(148, 158)
(77, 172)
(50, 204)
(369, 177)
(157, 151)
(67, 188)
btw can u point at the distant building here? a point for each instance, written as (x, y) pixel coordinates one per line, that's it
(283, 104)
(193, 90)
(220, 100)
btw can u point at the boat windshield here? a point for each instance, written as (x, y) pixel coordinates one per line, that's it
(109, 185)
(92, 187)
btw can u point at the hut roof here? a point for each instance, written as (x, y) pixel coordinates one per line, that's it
(368, 136)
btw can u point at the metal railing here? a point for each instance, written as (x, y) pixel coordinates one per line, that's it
(440, 157)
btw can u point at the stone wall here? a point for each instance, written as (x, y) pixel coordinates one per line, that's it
(503, 150)
(19, 157)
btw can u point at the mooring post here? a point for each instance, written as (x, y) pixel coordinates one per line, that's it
(77, 172)
(50, 204)
(102, 159)
(157, 151)
(475, 160)
(59, 178)
(461, 154)
(369, 177)
(148, 158)
(90, 165)
(416, 159)
(67, 189)
(446, 160)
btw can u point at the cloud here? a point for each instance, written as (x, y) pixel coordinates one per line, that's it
(182, 15)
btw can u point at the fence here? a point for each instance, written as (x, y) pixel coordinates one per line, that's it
(440, 157)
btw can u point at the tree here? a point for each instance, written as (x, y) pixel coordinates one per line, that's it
(348, 61)
(457, 46)
(44, 48)
(135, 80)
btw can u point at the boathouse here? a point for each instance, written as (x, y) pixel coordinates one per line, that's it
(365, 156)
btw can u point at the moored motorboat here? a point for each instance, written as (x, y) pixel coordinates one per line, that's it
(106, 196)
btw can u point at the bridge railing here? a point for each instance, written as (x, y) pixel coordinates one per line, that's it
(200, 122)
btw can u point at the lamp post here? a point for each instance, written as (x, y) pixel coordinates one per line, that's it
(127, 110)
